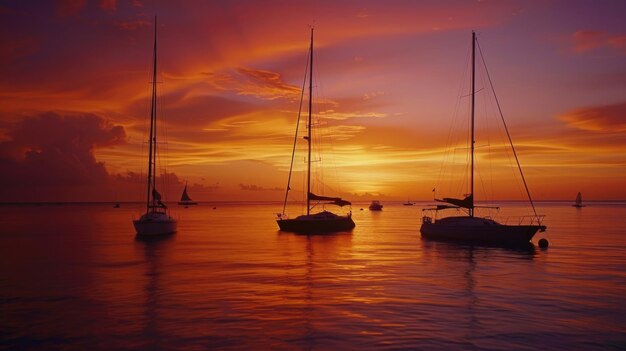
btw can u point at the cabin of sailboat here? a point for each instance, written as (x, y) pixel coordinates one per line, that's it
(470, 227)
(320, 222)
(156, 220)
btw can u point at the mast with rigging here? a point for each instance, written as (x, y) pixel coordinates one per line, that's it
(308, 170)
(150, 203)
(472, 141)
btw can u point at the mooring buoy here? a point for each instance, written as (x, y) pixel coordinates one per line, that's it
(543, 243)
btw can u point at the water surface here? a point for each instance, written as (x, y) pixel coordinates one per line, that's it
(74, 277)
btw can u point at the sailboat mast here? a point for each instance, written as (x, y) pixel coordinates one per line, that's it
(471, 209)
(152, 138)
(308, 181)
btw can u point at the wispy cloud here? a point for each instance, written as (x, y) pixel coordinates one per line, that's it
(133, 24)
(254, 187)
(109, 5)
(609, 118)
(69, 8)
(588, 40)
(266, 85)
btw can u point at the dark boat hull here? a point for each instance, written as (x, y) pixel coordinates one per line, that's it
(316, 226)
(500, 235)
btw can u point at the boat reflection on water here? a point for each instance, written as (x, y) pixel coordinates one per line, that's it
(471, 269)
(154, 249)
(315, 276)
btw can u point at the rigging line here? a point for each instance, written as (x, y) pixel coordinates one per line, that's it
(324, 134)
(485, 115)
(322, 131)
(448, 152)
(295, 138)
(519, 166)
(151, 181)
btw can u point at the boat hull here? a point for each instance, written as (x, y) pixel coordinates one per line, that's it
(491, 234)
(155, 225)
(312, 225)
(187, 203)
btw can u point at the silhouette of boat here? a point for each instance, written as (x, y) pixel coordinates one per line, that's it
(408, 203)
(471, 228)
(324, 221)
(156, 220)
(376, 206)
(185, 199)
(579, 201)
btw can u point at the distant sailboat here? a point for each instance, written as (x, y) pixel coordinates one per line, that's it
(408, 203)
(579, 201)
(471, 228)
(155, 221)
(185, 199)
(376, 206)
(321, 222)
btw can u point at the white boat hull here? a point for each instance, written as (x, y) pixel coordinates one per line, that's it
(153, 224)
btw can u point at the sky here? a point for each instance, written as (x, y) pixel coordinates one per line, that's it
(390, 101)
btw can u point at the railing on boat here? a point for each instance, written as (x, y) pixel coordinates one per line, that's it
(525, 220)
(281, 216)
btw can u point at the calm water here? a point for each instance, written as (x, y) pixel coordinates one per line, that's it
(74, 277)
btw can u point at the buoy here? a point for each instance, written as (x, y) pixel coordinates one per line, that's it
(361, 209)
(543, 243)
(214, 208)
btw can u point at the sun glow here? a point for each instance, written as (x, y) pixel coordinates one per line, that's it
(386, 82)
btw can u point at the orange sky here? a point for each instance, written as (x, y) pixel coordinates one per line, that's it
(390, 97)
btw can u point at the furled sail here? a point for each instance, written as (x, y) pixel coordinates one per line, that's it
(334, 200)
(468, 202)
(157, 196)
(439, 208)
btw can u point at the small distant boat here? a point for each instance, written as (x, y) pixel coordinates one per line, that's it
(321, 222)
(408, 203)
(471, 228)
(116, 205)
(376, 206)
(185, 199)
(579, 201)
(156, 220)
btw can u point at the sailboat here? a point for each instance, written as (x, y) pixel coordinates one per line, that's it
(579, 201)
(408, 202)
(185, 199)
(376, 206)
(324, 221)
(471, 228)
(156, 220)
